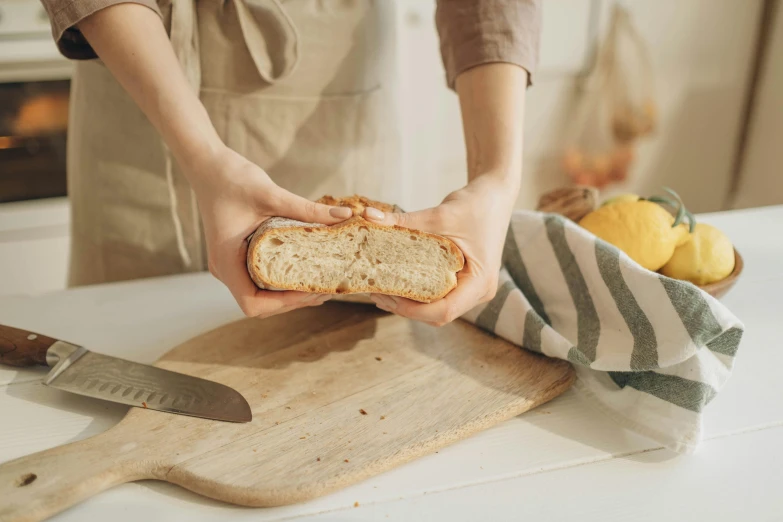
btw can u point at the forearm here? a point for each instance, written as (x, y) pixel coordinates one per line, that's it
(131, 41)
(492, 102)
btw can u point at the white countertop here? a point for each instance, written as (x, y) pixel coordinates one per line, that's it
(559, 461)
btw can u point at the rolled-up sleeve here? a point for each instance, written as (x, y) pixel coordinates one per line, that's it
(65, 14)
(475, 32)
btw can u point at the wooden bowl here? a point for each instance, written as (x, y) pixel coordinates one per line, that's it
(719, 288)
(574, 202)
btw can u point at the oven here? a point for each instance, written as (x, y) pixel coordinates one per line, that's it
(34, 92)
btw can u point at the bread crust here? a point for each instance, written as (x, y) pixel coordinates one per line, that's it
(357, 204)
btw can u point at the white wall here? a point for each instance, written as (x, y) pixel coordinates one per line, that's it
(702, 54)
(761, 181)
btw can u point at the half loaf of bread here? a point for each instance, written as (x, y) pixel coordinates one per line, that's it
(355, 256)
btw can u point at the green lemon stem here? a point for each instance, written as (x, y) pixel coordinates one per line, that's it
(691, 221)
(680, 207)
(677, 204)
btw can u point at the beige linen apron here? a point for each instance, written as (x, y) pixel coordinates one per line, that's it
(300, 87)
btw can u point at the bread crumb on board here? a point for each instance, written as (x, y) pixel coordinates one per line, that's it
(355, 504)
(379, 358)
(383, 417)
(362, 411)
(346, 460)
(318, 459)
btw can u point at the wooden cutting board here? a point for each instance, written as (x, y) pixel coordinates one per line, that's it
(339, 393)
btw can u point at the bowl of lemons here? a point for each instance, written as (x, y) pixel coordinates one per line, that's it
(661, 235)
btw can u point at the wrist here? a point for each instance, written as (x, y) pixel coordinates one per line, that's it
(495, 189)
(197, 149)
(503, 181)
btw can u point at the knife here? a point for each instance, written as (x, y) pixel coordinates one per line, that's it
(78, 370)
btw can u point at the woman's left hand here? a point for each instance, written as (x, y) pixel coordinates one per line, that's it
(476, 218)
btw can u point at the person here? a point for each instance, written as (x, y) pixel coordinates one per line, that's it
(192, 122)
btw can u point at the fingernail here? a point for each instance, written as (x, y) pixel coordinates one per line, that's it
(373, 213)
(381, 305)
(340, 212)
(385, 301)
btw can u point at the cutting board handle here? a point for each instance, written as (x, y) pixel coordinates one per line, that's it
(38, 486)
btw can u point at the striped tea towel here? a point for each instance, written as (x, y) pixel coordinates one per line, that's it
(650, 351)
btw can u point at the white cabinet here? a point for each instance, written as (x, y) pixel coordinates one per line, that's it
(34, 242)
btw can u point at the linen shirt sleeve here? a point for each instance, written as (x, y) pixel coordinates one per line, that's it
(64, 15)
(476, 32)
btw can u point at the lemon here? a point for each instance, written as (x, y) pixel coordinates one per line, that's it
(684, 235)
(707, 257)
(622, 198)
(641, 229)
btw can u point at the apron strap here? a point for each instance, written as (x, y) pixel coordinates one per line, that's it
(270, 36)
(273, 42)
(185, 42)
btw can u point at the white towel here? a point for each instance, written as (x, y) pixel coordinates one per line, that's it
(649, 351)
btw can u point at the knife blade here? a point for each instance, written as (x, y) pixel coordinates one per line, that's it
(76, 369)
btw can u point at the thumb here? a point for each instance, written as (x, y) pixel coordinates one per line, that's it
(295, 207)
(420, 220)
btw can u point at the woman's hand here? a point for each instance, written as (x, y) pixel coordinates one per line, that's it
(476, 219)
(234, 197)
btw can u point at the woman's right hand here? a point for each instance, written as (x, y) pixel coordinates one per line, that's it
(234, 197)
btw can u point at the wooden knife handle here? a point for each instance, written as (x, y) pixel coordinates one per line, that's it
(22, 348)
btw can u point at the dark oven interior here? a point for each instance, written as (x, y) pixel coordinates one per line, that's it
(33, 129)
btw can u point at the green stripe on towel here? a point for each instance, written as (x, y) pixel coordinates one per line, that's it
(587, 321)
(488, 318)
(645, 346)
(691, 395)
(512, 260)
(531, 339)
(727, 342)
(577, 357)
(698, 319)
